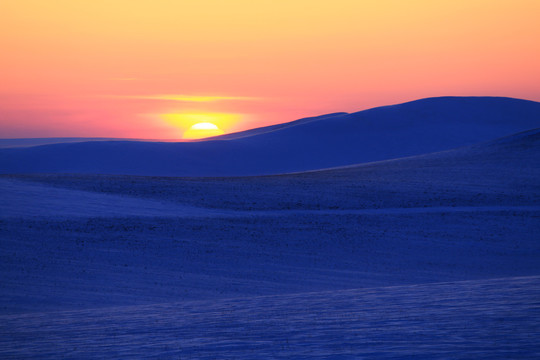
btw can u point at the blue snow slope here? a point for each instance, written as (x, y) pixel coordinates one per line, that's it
(482, 319)
(88, 241)
(433, 256)
(413, 128)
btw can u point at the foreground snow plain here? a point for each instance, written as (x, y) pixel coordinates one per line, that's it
(434, 256)
(495, 319)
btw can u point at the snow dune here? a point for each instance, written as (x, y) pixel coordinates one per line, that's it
(501, 172)
(413, 128)
(26, 200)
(20, 199)
(75, 241)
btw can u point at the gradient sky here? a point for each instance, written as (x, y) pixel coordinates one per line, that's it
(152, 68)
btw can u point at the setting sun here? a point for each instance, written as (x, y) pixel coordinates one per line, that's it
(202, 125)
(202, 130)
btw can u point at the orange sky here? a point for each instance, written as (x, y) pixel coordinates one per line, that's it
(153, 68)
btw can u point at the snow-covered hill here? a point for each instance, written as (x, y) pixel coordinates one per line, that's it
(428, 256)
(89, 241)
(500, 171)
(413, 128)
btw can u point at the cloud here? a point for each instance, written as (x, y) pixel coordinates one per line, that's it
(189, 98)
(186, 120)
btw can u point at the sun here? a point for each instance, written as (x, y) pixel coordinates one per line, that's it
(195, 125)
(202, 130)
(204, 126)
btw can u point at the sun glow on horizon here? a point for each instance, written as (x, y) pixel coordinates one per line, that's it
(202, 130)
(202, 125)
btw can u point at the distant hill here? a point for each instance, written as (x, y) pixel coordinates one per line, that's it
(267, 129)
(501, 171)
(413, 128)
(27, 142)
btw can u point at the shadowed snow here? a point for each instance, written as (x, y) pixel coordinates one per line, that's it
(389, 132)
(20, 199)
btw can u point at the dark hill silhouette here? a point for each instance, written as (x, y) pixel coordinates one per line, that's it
(413, 128)
(267, 129)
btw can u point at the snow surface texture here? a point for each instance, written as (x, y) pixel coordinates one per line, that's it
(483, 319)
(430, 256)
(388, 132)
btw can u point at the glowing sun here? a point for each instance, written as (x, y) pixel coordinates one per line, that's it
(202, 130)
